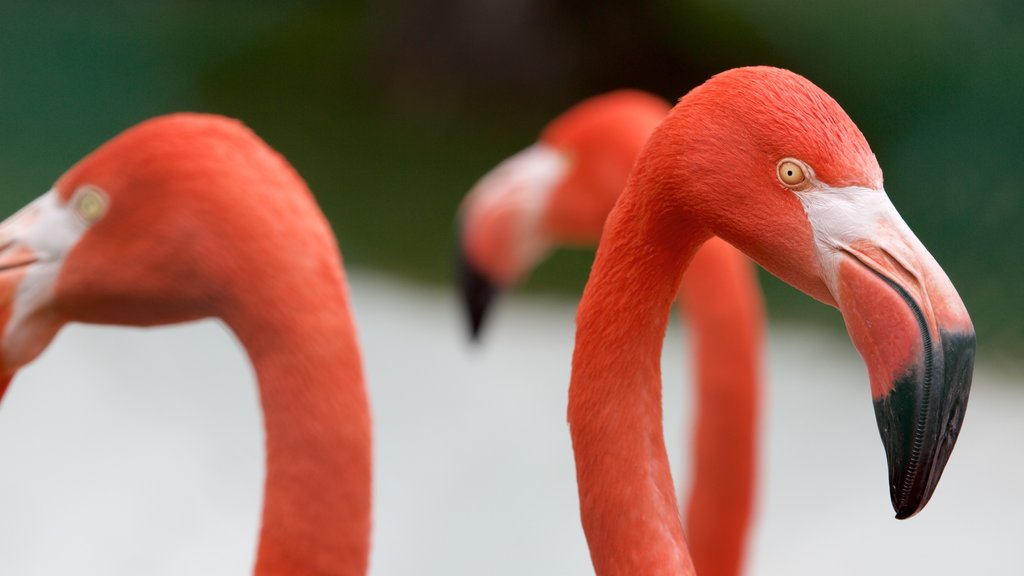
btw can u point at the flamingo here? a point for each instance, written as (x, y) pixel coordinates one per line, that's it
(189, 216)
(559, 191)
(766, 160)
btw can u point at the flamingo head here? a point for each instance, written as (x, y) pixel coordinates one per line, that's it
(148, 229)
(774, 166)
(556, 192)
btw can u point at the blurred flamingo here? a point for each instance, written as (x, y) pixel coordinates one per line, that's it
(560, 191)
(770, 163)
(190, 216)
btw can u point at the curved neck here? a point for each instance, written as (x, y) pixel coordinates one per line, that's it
(299, 335)
(723, 306)
(627, 500)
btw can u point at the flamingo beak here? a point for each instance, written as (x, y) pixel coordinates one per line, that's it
(33, 243)
(15, 260)
(477, 291)
(915, 335)
(499, 239)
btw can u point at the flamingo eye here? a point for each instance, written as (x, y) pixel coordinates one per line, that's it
(90, 204)
(791, 172)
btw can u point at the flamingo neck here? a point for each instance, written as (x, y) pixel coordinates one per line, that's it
(299, 335)
(723, 307)
(627, 500)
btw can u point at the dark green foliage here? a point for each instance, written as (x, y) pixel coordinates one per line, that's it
(392, 109)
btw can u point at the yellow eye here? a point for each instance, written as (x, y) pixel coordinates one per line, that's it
(791, 173)
(90, 204)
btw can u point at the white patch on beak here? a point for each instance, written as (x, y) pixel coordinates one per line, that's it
(522, 184)
(840, 217)
(48, 229)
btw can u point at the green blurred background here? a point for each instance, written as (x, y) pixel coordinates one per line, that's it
(392, 109)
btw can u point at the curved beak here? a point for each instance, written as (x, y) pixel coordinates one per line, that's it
(915, 335)
(32, 244)
(477, 293)
(15, 259)
(499, 240)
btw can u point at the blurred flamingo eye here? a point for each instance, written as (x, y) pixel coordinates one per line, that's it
(791, 173)
(90, 204)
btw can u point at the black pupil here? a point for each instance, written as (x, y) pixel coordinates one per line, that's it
(789, 172)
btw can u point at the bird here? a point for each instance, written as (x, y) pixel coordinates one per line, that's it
(769, 162)
(190, 216)
(560, 191)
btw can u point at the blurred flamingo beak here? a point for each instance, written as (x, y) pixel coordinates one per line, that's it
(32, 243)
(498, 235)
(15, 259)
(477, 292)
(915, 335)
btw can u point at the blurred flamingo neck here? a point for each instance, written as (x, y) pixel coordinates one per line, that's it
(627, 499)
(723, 306)
(299, 335)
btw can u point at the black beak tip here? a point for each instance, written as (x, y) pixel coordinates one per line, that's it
(920, 420)
(910, 505)
(908, 511)
(477, 293)
(476, 322)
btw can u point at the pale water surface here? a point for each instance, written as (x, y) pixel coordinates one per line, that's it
(130, 452)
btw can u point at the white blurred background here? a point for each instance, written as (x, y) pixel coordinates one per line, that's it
(128, 452)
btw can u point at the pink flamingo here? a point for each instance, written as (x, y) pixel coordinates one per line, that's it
(190, 216)
(770, 163)
(560, 191)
